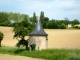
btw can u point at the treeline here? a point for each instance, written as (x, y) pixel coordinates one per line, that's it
(13, 19)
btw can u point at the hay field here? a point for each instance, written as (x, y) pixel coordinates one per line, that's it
(57, 38)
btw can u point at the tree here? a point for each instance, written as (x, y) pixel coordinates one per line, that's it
(31, 19)
(34, 18)
(55, 24)
(62, 26)
(16, 17)
(25, 22)
(49, 25)
(19, 33)
(4, 18)
(45, 24)
(10, 16)
(67, 21)
(1, 37)
(75, 22)
(46, 19)
(42, 16)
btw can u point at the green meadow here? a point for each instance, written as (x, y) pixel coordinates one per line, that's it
(48, 54)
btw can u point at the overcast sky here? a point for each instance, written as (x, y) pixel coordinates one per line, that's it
(54, 9)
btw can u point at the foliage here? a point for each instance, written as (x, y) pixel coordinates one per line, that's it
(48, 54)
(45, 24)
(67, 21)
(62, 26)
(34, 18)
(22, 27)
(75, 22)
(25, 23)
(33, 46)
(49, 25)
(46, 19)
(42, 16)
(76, 27)
(20, 32)
(4, 18)
(1, 37)
(55, 25)
(11, 19)
(23, 43)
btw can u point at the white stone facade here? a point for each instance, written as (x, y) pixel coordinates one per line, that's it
(39, 41)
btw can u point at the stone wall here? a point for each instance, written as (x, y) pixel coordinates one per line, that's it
(40, 41)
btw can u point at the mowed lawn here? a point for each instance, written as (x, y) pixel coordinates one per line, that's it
(57, 38)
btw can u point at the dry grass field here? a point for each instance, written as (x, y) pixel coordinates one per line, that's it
(63, 38)
(57, 38)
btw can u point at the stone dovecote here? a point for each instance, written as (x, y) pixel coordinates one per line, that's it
(38, 37)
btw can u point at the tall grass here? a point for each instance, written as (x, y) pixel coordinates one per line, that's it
(48, 54)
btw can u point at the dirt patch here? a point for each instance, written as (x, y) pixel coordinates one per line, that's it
(12, 57)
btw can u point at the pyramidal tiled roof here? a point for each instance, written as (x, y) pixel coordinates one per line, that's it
(38, 30)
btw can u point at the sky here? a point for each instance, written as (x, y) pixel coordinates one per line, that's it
(54, 9)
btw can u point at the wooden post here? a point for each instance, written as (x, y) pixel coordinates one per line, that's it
(46, 42)
(29, 48)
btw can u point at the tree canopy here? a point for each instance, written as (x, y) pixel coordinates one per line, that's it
(11, 19)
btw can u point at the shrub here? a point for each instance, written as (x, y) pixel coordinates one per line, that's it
(62, 26)
(1, 37)
(23, 43)
(33, 46)
(76, 27)
(79, 27)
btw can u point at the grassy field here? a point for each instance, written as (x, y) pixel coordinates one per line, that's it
(49, 54)
(57, 38)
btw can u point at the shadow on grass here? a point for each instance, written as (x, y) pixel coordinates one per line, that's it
(21, 50)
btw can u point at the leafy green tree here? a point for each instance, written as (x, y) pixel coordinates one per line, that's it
(10, 16)
(63, 21)
(34, 18)
(75, 22)
(42, 16)
(45, 24)
(4, 18)
(46, 19)
(49, 25)
(31, 19)
(1, 37)
(25, 21)
(67, 21)
(62, 26)
(19, 33)
(55, 24)
(16, 17)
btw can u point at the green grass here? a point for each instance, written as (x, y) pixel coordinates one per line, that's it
(48, 54)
